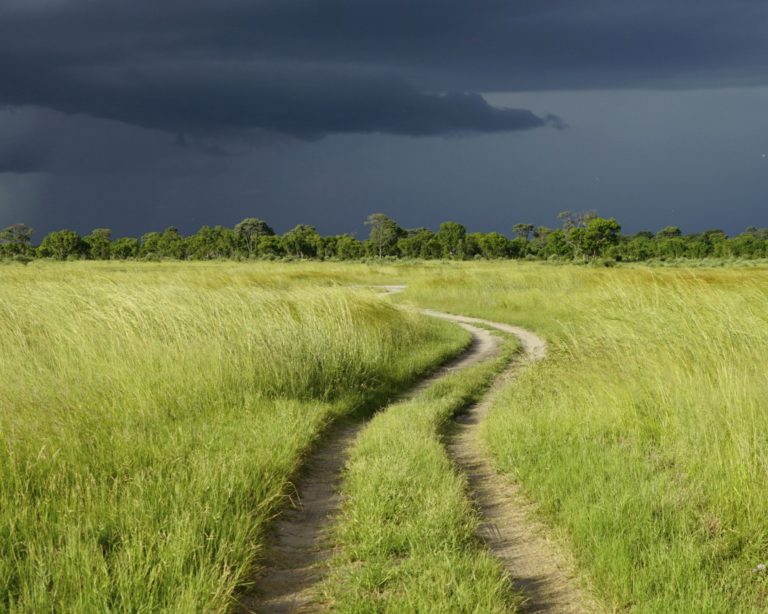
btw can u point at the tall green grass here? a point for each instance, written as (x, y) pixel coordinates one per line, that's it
(151, 416)
(643, 437)
(406, 535)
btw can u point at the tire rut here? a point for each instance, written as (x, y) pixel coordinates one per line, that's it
(297, 545)
(538, 566)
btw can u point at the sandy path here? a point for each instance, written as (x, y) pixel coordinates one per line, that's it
(539, 568)
(298, 546)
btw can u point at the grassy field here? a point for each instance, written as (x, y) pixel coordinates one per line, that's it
(150, 417)
(150, 414)
(642, 438)
(406, 536)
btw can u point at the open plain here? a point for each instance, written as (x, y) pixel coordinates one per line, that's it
(159, 421)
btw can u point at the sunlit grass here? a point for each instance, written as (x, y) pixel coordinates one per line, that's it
(642, 438)
(150, 418)
(406, 536)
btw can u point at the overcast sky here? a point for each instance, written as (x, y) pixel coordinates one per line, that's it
(140, 114)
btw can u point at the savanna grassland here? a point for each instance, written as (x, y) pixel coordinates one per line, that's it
(150, 415)
(405, 539)
(642, 438)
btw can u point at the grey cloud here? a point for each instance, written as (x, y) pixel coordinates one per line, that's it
(40, 140)
(308, 101)
(24, 158)
(22, 151)
(307, 68)
(450, 44)
(151, 97)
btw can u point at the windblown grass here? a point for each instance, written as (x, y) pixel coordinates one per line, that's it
(642, 438)
(406, 536)
(150, 417)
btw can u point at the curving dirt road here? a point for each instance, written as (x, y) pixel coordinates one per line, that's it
(538, 567)
(297, 545)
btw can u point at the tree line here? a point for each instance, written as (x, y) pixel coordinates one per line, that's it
(581, 236)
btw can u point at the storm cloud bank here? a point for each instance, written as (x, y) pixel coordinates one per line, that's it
(307, 68)
(189, 70)
(143, 113)
(210, 98)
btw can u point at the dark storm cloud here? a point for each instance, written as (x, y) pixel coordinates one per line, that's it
(21, 158)
(163, 68)
(312, 67)
(143, 113)
(304, 101)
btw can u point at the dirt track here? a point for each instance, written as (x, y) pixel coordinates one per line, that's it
(538, 567)
(298, 545)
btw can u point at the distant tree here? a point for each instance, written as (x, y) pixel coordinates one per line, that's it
(227, 241)
(749, 244)
(472, 245)
(715, 234)
(209, 243)
(271, 246)
(432, 249)
(249, 231)
(201, 245)
(576, 219)
(670, 246)
(574, 223)
(349, 248)
(554, 245)
(639, 247)
(62, 245)
(384, 234)
(150, 245)
(718, 241)
(166, 244)
(16, 240)
(599, 235)
(301, 241)
(99, 244)
(523, 230)
(670, 232)
(171, 244)
(326, 247)
(696, 246)
(124, 248)
(413, 243)
(451, 236)
(519, 247)
(537, 245)
(492, 245)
